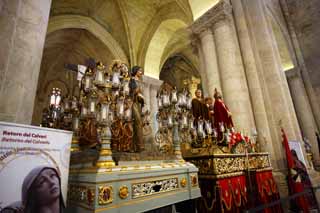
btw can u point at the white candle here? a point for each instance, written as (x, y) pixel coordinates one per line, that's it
(92, 106)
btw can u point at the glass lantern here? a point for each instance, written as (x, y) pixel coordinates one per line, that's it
(74, 103)
(170, 121)
(99, 74)
(53, 97)
(208, 127)
(84, 111)
(180, 100)
(184, 122)
(116, 79)
(159, 100)
(58, 97)
(189, 102)
(66, 105)
(174, 98)
(92, 105)
(75, 123)
(120, 107)
(165, 100)
(200, 129)
(87, 82)
(104, 111)
(126, 88)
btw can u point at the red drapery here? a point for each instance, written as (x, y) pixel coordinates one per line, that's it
(268, 191)
(233, 194)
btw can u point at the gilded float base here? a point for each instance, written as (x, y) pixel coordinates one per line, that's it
(131, 186)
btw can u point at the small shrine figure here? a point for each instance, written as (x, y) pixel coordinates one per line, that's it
(135, 86)
(222, 115)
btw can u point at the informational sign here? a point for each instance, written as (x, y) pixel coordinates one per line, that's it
(296, 145)
(25, 152)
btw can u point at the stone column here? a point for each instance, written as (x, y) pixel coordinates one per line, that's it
(202, 71)
(153, 85)
(210, 61)
(303, 110)
(254, 85)
(23, 30)
(233, 80)
(207, 53)
(304, 70)
(274, 86)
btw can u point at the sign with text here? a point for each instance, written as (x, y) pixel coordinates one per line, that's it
(30, 156)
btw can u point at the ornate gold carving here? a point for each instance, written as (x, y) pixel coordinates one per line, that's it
(183, 182)
(123, 192)
(81, 194)
(105, 195)
(218, 164)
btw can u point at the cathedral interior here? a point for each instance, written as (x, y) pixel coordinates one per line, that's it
(261, 55)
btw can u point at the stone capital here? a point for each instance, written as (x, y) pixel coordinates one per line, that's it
(222, 11)
(153, 82)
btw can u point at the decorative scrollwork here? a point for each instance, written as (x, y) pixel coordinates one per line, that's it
(153, 187)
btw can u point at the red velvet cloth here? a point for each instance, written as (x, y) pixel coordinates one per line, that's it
(233, 194)
(267, 190)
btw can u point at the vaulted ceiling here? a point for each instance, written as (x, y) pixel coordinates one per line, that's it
(306, 18)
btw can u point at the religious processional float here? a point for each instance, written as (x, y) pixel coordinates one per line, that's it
(117, 164)
(233, 176)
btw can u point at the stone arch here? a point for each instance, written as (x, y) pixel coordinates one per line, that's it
(169, 11)
(82, 22)
(198, 8)
(157, 45)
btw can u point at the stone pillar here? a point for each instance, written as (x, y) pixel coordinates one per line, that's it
(274, 85)
(304, 70)
(303, 110)
(233, 80)
(210, 76)
(202, 71)
(23, 30)
(254, 85)
(210, 61)
(153, 86)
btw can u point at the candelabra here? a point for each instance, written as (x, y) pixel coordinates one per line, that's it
(173, 115)
(51, 115)
(103, 108)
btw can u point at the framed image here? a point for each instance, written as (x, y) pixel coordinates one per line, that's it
(296, 145)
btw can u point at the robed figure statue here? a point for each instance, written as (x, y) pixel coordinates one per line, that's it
(222, 115)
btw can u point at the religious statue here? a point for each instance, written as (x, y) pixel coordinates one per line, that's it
(135, 86)
(198, 107)
(222, 115)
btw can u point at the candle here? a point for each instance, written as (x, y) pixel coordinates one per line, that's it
(92, 106)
